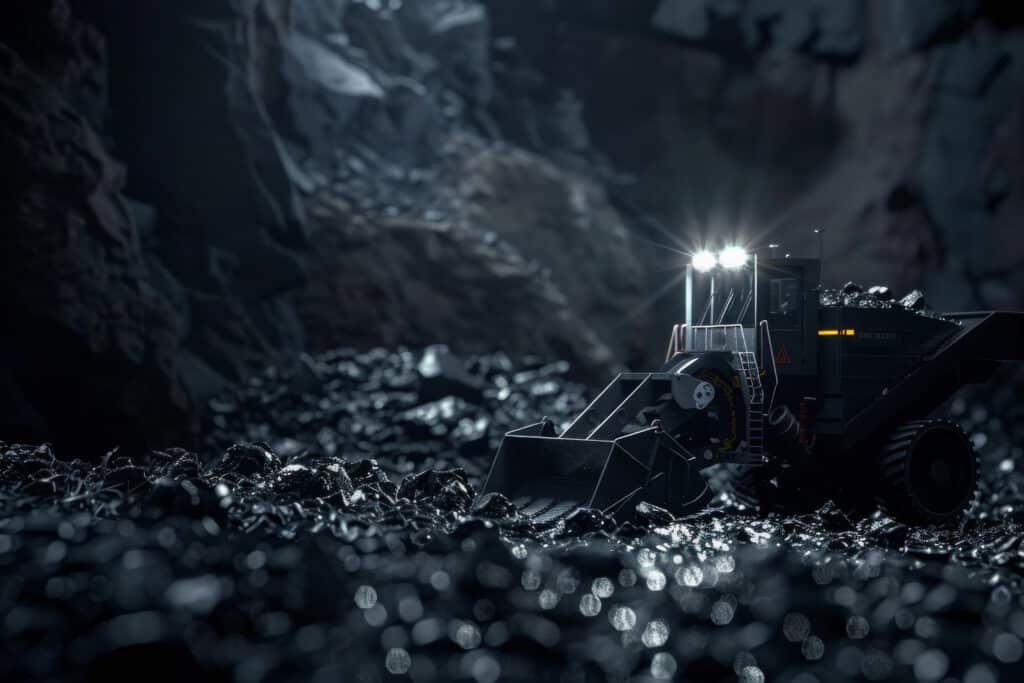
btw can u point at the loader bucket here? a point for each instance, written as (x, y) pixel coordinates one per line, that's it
(544, 474)
(534, 466)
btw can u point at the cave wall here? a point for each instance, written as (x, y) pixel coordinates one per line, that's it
(886, 124)
(90, 346)
(215, 186)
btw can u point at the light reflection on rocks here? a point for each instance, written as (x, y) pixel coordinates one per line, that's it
(264, 565)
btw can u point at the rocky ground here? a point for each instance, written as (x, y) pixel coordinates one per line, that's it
(327, 530)
(201, 188)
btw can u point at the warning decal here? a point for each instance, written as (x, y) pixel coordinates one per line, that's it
(782, 357)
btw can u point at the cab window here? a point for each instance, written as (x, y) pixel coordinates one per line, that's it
(784, 302)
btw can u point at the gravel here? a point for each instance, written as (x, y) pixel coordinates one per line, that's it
(329, 530)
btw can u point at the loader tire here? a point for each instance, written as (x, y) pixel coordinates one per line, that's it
(928, 473)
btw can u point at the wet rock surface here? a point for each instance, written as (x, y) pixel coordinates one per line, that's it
(339, 539)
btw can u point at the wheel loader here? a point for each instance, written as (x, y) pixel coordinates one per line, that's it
(795, 397)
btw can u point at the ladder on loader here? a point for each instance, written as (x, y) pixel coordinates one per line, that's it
(755, 409)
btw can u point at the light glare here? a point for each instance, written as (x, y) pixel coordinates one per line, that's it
(704, 260)
(733, 257)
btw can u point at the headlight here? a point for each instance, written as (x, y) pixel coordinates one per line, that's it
(733, 257)
(704, 260)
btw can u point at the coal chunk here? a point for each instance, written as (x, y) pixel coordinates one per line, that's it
(586, 521)
(834, 518)
(298, 482)
(443, 374)
(337, 478)
(184, 465)
(446, 489)
(436, 418)
(248, 459)
(914, 301)
(368, 477)
(880, 292)
(853, 296)
(495, 506)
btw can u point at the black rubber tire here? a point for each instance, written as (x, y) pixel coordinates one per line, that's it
(928, 473)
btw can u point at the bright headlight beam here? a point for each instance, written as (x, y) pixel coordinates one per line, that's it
(704, 260)
(733, 257)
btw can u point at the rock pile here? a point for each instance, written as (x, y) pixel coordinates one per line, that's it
(878, 296)
(409, 410)
(304, 557)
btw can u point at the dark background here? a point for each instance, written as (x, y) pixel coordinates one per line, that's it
(193, 189)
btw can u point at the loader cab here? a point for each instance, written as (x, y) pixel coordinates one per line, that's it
(769, 306)
(789, 302)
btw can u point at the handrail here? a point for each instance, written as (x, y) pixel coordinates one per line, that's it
(676, 342)
(732, 332)
(729, 300)
(763, 327)
(746, 305)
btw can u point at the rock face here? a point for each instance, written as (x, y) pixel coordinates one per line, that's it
(490, 276)
(885, 124)
(345, 180)
(89, 344)
(484, 174)
(223, 218)
(424, 226)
